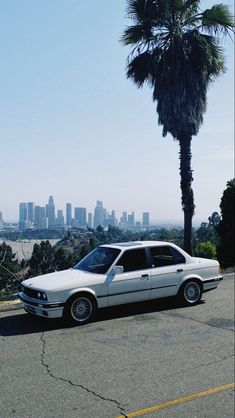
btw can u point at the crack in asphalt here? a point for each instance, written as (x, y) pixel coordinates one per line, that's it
(197, 320)
(199, 366)
(45, 365)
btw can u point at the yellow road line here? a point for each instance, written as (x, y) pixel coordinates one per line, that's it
(179, 400)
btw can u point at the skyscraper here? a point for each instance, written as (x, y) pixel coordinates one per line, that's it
(31, 211)
(80, 217)
(123, 220)
(40, 215)
(131, 220)
(90, 220)
(50, 211)
(23, 214)
(99, 214)
(68, 214)
(146, 219)
(60, 218)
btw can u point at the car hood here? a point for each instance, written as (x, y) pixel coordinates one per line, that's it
(64, 279)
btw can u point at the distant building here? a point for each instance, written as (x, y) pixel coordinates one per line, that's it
(31, 211)
(123, 220)
(50, 212)
(68, 214)
(44, 223)
(80, 217)
(99, 214)
(145, 219)
(110, 219)
(28, 224)
(90, 220)
(60, 218)
(23, 212)
(40, 213)
(131, 220)
(23, 215)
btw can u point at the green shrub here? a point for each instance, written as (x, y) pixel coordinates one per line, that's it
(205, 250)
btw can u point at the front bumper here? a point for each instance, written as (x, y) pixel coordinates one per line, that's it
(42, 308)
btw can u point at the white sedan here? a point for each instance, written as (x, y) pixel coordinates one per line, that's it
(120, 273)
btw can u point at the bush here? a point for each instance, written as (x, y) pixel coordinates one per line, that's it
(205, 250)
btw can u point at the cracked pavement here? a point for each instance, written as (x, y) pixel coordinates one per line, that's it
(43, 353)
(130, 358)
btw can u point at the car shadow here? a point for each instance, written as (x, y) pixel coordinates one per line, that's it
(22, 324)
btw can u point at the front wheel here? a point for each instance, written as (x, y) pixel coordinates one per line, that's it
(80, 309)
(191, 292)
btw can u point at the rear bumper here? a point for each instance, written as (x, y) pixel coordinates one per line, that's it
(45, 310)
(211, 284)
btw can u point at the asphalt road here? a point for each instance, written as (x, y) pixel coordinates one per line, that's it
(132, 358)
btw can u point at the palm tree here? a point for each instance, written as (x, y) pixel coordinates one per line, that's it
(177, 51)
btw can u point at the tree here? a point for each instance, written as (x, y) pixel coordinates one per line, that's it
(208, 231)
(177, 52)
(8, 266)
(42, 259)
(226, 227)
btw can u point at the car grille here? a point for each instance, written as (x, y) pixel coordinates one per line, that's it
(30, 292)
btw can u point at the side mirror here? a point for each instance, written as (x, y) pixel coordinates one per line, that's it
(118, 270)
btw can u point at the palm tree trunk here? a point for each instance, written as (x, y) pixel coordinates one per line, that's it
(187, 198)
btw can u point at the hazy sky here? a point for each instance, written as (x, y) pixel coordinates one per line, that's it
(73, 126)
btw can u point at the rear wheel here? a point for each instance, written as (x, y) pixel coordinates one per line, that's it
(191, 292)
(80, 309)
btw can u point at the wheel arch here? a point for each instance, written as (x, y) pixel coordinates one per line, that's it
(188, 278)
(83, 291)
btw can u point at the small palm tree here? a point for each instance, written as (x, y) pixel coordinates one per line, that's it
(177, 52)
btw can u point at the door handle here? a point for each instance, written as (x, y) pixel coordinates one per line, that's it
(179, 270)
(144, 276)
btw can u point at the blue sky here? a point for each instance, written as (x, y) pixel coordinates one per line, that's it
(73, 126)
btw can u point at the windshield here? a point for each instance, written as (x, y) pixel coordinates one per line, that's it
(99, 260)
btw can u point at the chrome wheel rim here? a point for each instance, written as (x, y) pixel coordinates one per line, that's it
(192, 292)
(81, 309)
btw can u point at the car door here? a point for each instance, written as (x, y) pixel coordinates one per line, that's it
(168, 267)
(133, 284)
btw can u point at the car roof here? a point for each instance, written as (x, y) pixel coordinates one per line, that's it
(137, 244)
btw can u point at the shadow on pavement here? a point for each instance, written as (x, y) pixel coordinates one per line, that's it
(22, 324)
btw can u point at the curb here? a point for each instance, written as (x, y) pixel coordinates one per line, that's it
(11, 306)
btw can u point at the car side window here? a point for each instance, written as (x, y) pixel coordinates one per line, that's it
(165, 256)
(178, 257)
(133, 260)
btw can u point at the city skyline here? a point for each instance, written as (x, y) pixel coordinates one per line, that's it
(48, 216)
(91, 210)
(72, 125)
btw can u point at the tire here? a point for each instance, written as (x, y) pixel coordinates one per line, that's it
(80, 309)
(191, 292)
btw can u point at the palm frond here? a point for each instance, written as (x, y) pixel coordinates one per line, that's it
(139, 69)
(150, 12)
(191, 5)
(217, 19)
(204, 55)
(136, 34)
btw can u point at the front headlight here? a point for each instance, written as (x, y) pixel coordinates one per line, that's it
(42, 295)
